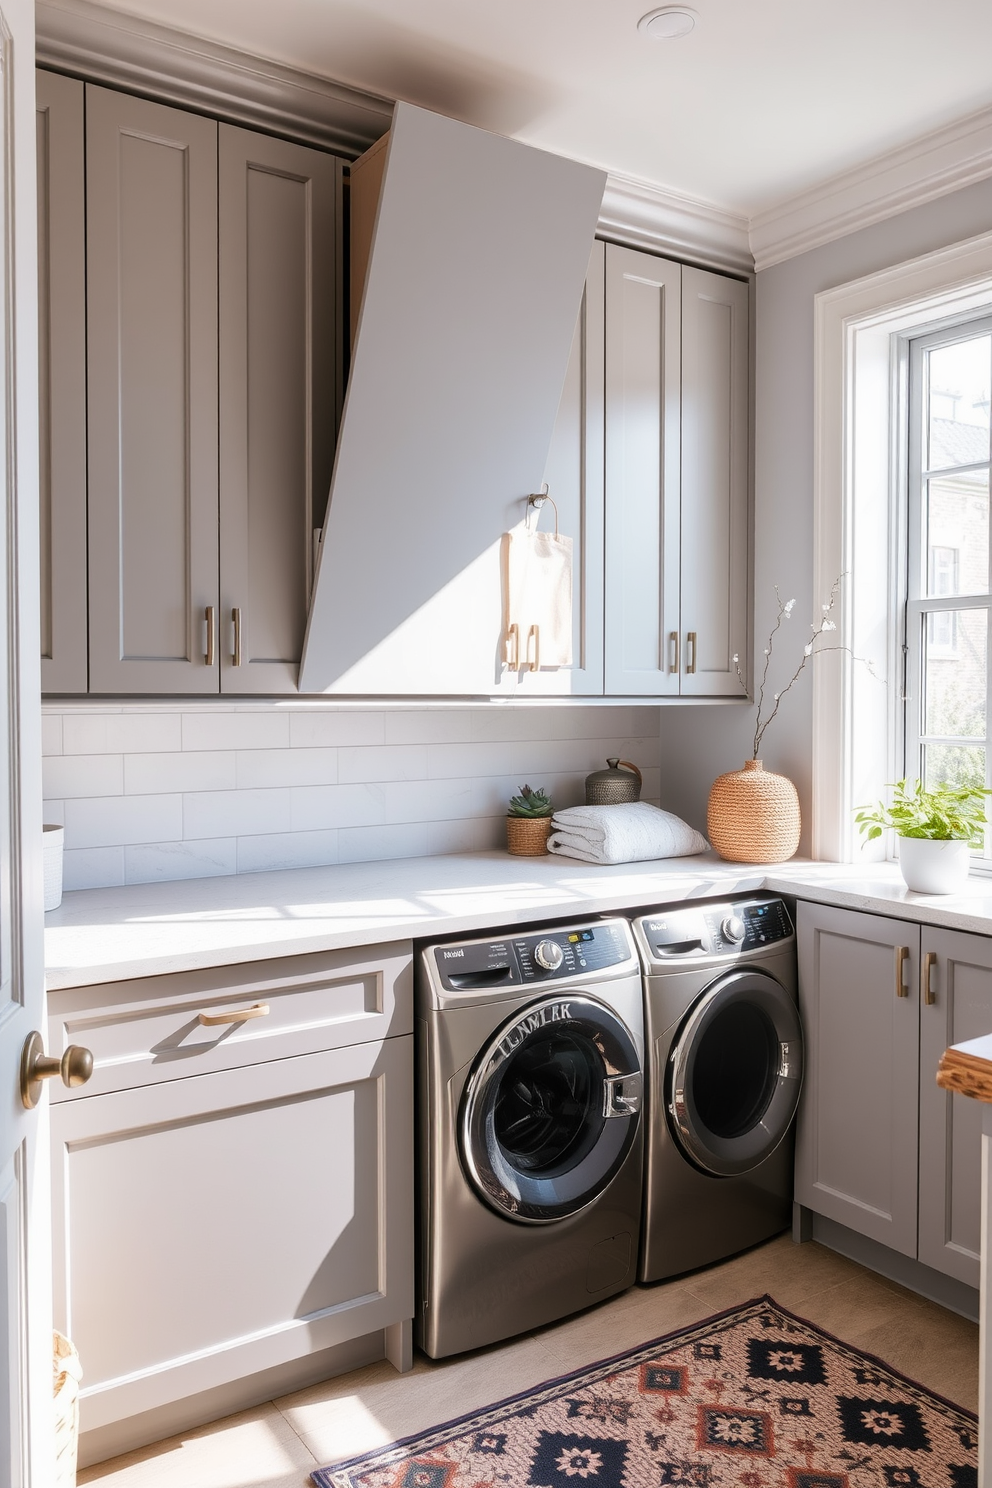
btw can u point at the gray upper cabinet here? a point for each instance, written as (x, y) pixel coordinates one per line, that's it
(714, 526)
(279, 297)
(190, 393)
(856, 1147)
(475, 278)
(676, 478)
(643, 458)
(62, 382)
(151, 183)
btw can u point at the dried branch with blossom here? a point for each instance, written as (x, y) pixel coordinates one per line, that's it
(823, 627)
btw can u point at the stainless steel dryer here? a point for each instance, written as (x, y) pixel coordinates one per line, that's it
(530, 1052)
(724, 1064)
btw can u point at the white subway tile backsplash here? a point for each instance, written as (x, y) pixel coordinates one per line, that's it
(149, 792)
(272, 767)
(51, 733)
(398, 762)
(321, 730)
(192, 770)
(167, 860)
(287, 850)
(92, 868)
(82, 775)
(120, 820)
(120, 733)
(366, 844)
(234, 812)
(235, 730)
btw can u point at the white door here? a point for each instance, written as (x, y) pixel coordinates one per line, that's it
(25, 1272)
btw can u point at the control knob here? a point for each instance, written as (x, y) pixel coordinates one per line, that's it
(733, 929)
(548, 954)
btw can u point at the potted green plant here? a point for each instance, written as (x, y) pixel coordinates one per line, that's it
(937, 830)
(528, 823)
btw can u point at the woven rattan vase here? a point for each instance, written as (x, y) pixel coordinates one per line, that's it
(753, 815)
(527, 836)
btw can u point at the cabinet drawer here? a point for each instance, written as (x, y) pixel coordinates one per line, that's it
(149, 1029)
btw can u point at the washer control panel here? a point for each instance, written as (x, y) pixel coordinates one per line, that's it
(545, 956)
(719, 929)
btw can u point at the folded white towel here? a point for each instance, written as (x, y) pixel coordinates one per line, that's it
(538, 596)
(626, 833)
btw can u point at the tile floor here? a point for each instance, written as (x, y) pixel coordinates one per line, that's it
(277, 1445)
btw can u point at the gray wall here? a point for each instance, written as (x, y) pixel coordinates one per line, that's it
(697, 744)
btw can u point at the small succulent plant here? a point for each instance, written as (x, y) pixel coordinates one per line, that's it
(530, 803)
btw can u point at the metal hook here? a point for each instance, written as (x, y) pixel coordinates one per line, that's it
(539, 498)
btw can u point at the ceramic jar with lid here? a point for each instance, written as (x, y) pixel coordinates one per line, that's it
(619, 782)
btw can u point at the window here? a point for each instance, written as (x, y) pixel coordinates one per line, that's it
(948, 585)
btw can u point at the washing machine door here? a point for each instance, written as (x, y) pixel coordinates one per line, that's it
(734, 1073)
(550, 1109)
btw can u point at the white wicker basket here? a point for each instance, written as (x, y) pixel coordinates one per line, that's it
(52, 845)
(68, 1373)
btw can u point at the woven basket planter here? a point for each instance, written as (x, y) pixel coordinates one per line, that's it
(67, 1374)
(527, 836)
(753, 816)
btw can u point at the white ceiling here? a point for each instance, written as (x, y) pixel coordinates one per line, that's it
(763, 100)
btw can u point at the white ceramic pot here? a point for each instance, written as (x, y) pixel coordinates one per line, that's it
(934, 867)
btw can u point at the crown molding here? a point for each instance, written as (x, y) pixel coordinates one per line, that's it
(139, 56)
(945, 160)
(645, 216)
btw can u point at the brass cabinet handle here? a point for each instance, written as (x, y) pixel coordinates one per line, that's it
(236, 1015)
(236, 617)
(902, 956)
(674, 643)
(210, 615)
(690, 648)
(535, 631)
(513, 634)
(929, 962)
(75, 1067)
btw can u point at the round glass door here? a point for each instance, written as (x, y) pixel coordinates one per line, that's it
(734, 1074)
(551, 1109)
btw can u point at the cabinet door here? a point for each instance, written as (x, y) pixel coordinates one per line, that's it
(280, 279)
(151, 282)
(212, 1227)
(574, 474)
(856, 1151)
(62, 382)
(959, 1008)
(714, 482)
(643, 320)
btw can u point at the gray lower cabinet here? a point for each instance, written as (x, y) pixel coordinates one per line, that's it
(880, 1148)
(233, 1195)
(189, 391)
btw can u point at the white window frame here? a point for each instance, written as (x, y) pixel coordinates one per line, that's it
(859, 518)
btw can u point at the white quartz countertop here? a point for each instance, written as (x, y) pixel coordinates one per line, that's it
(101, 935)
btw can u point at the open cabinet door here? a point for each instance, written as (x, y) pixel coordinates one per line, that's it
(478, 260)
(26, 1415)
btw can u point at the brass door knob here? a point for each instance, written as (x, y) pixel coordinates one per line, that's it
(75, 1068)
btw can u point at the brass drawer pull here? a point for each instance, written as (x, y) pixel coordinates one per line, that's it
(674, 643)
(237, 1015)
(902, 956)
(535, 631)
(690, 646)
(929, 963)
(210, 614)
(236, 617)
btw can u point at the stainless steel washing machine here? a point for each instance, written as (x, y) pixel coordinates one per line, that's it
(530, 1052)
(724, 1064)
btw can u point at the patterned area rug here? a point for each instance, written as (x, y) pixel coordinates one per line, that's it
(752, 1398)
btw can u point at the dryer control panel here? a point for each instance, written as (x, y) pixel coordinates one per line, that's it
(540, 956)
(719, 929)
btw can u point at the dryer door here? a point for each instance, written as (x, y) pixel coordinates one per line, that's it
(551, 1109)
(734, 1073)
